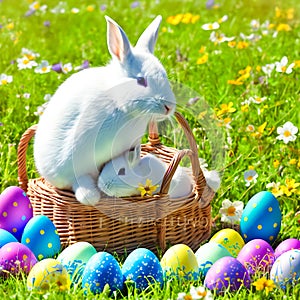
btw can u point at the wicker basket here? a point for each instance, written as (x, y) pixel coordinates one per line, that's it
(123, 224)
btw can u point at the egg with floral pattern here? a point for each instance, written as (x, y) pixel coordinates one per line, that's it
(261, 218)
(286, 245)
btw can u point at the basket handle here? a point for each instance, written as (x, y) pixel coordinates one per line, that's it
(22, 148)
(199, 178)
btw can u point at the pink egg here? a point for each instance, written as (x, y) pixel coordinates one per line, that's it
(15, 210)
(16, 257)
(287, 245)
(257, 255)
(226, 272)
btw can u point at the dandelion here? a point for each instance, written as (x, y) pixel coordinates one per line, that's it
(283, 67)
(250, 176)
(231, 211)
(225, 108)
(268, 69)
(202, 60)
(283, 27)
(5, 79)
(290, 187)
(90, 8)
(43, 67)
(147, 189)
(264, 284)
(242, 45)
(287, 133)
(210, 26)
(25, 63)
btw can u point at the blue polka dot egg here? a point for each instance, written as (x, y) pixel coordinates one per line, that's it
(142, 267)
(41, 237)
(261, 218)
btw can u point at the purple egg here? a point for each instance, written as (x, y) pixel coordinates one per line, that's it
(286, 245)
(257, 255)
(15, 258)
(15, 211)
(227, 272)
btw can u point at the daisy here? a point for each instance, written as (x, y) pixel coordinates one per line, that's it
(219, 38)
(210, 26)
(275, 188)
(25, 63)
(283, 67)
(29, 54)
(66, 68)
(287, 133)
(231, 211)
(200, 293)
(43, 67)
(5, 79)
(268, 69)
(257, 99)
(250, 176)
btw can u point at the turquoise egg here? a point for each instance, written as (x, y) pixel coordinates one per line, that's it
(143, 268)
(75, 257)
(261, 218)
(208, 254)
(41, 237)
(6, 237)
(102, 269)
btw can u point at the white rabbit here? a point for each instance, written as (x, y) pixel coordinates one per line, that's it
(99, 113)
(121, 176)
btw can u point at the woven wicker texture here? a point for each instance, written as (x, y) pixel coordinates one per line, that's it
(123, 224)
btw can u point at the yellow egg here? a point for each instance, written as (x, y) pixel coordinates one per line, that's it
(47, 274)
(230, 239)
(180, 260)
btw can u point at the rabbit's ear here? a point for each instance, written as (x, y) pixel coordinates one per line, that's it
(117, 41)
(148, 38)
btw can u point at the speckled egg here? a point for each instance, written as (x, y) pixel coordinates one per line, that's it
(48, 274)
(230, 239)
(180, 260)
(15, 211)
(261, 218)
(257, 256)
(208, 254)
(6, 237)
(75, 257)
(143, 268)
(227, 273)
(40, 235)
(286, 245)
(102, 269)
(16, 257)
(286, 269)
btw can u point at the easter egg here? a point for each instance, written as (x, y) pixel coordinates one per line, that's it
(6, 237)
(208, 254)
(143, 268)
(75, 257)
(261, 218)
(48, 273)
(226, 273)
(102, 269)
(40, 235)
(180, 260)
(16, 257)
(286, 269)
(230, 239)
(257, 255)
(287, 245)
(15, 211)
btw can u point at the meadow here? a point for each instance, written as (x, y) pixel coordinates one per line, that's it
(235, 67)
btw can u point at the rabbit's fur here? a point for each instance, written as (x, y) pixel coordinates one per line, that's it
(99, 113)
(121, 176)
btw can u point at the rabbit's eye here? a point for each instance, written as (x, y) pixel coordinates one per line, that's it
(121, 171)
(141, 81)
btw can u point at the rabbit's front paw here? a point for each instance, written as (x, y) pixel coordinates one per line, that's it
(86, 191)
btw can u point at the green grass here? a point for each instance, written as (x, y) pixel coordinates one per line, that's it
(78, 37)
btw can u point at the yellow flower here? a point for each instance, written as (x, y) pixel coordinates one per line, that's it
(225, 108)
(290, 187)
(276, 163)
(202, 60)
(262, 127)
(283, 27)
(147, 189)
(90, 8)
(297, 63)
(264, 284)
(293, 161)
(242, 45)
(231, 44)
(203, 49)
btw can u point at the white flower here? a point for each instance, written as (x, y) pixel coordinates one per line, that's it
(75, 10)
(250, 128)
(255, 24)
(210, 26)
(223, 19)
(182, 296)
(43, 67)
(5, 79)
(219, 38)
(257, 99)
(268, 69)
(47, 97)
(29, 54)
(231, 211)
(200, 293)
(25, 63)
(287, 133)
(283, 67)
(250, 176)
(67, 68)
